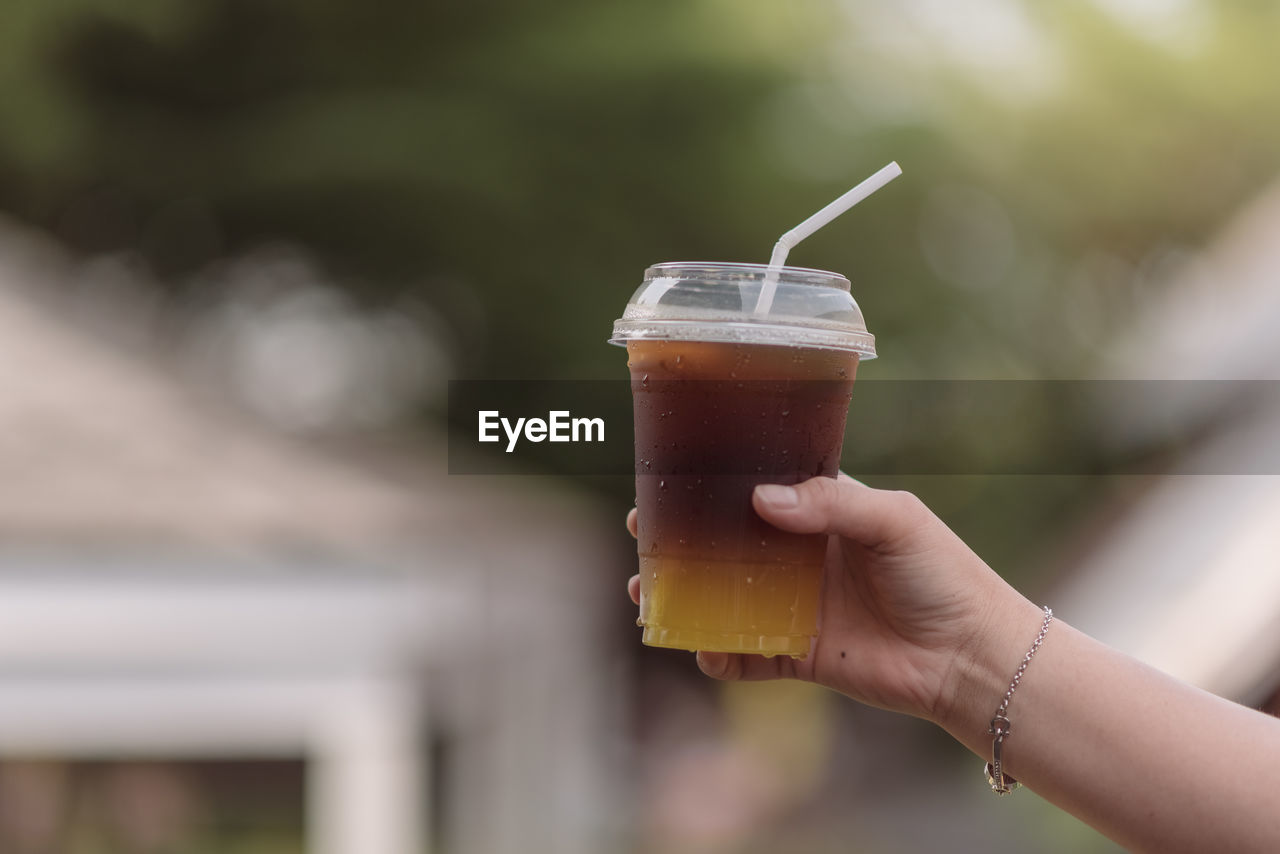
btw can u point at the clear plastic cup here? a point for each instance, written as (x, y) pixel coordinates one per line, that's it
(726, 398)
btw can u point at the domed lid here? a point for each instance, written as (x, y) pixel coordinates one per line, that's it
(697, 301)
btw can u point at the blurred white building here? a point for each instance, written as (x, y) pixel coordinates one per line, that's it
(178, 583)
(1188, 579)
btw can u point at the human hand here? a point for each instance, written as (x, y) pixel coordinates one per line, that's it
(906, 605)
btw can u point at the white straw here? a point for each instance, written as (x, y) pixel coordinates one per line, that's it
(812, 224)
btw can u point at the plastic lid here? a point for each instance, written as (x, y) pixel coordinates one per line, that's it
(696, 301)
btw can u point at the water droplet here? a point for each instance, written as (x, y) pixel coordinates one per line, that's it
(748, 579)
(682, 541)
(763, 541)
(644, 382)
(786, 412)
(662, 484)
(679, 359)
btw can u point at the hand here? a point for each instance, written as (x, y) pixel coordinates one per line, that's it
(906, 604)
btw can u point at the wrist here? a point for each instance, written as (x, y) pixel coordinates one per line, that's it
(983, 665)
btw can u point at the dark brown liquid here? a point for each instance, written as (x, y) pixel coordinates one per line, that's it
(711, 422)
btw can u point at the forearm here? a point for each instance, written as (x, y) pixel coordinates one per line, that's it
(1152, 762)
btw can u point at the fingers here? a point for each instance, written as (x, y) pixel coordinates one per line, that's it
(633, 584)
(842, 506)
(730, 667)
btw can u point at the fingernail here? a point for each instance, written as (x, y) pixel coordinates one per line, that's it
(778, 496)
(713, 666)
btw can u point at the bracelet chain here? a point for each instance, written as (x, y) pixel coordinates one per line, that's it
(1002, 783)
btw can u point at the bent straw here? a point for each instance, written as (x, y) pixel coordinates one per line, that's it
(785, 243)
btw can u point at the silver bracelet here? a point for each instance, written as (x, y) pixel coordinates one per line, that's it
(1002, 783)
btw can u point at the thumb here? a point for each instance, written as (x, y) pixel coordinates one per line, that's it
(844, 507)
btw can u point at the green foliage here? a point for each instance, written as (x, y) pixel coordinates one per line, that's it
(516, 165)
(536, 157)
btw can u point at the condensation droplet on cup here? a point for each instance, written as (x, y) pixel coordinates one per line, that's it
(786, 412)
(644, 381)
(662, 484)
(749, 579)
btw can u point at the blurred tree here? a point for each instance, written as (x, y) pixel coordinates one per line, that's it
(516, 166)
(532, 158)
(530, 162)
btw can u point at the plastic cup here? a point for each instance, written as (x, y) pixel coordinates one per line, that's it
(726, 398)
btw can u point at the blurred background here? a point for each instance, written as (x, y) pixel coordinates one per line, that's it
(245, 245)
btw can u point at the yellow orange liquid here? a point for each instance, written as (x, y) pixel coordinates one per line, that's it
(763, 608)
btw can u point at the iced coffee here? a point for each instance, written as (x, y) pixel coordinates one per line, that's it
(725, 400)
